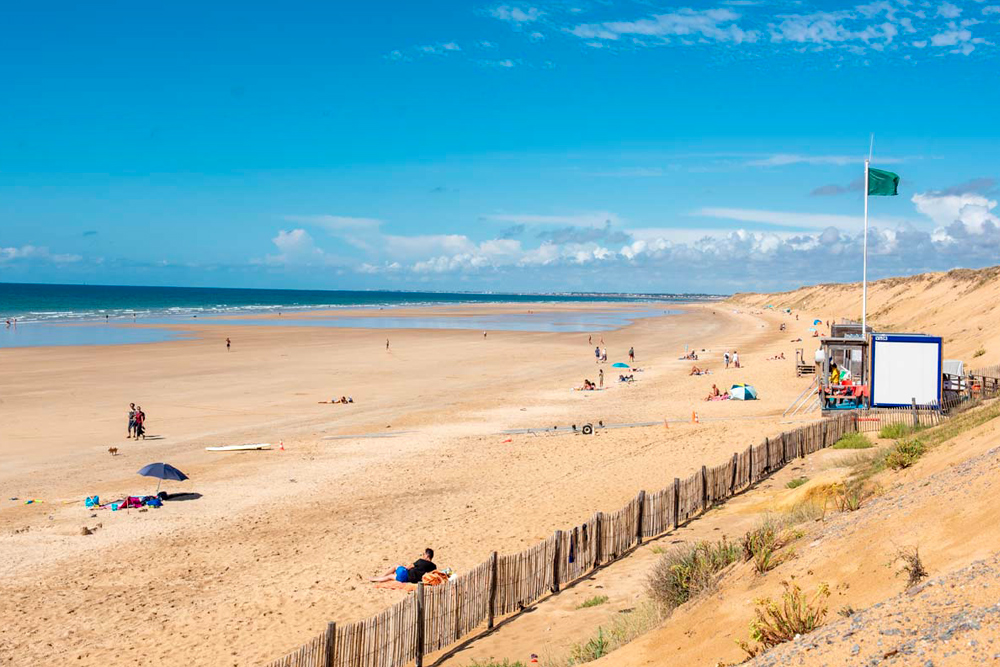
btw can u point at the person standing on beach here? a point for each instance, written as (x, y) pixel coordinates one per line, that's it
(131, 420)
(590, 339)
(631, 355)
(597, 353)
(600, 378)
(386, 344)
(228, 343)
(736, 359)
(726, 358)
(140, 423)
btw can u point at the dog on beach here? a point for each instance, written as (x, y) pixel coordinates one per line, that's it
(113, 451)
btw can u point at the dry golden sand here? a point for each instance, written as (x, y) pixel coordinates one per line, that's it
(945, 505)
(279, 542)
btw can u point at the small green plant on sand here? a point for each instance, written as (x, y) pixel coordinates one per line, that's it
(688, 570)
(496, 663)
(978, 353)
(762, 545)
(896, 431)
(624, 627)
(797, 482)
(849, 495)
(593, 602)
(778, 621)
(853, 441)
(904, 454)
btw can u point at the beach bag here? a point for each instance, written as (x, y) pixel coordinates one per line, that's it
(154, 502)
(92, 501)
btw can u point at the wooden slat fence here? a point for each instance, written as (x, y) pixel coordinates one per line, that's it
(872, 420)
(524, 577)
(437, 617)
(658, 512)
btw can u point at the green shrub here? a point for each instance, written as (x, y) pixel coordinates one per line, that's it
(978, 353)
(797, 482)
(623, 628)
(904, 454)
(778, 622)
(593, 602)
(894, 431)
(853, 441)
(688, 570)
(496, 663)
(762, 545)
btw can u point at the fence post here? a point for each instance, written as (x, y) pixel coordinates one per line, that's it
(800, 439)
(555, 561)
(677, 502)
(641, 502)
(767, 457)
(493, 588)
(916, 415)
(704, 489)
(736, 465)
(598, 539)
(420, 625)
(331, 638)
(825, 428)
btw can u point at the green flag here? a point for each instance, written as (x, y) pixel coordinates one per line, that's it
(882, 183)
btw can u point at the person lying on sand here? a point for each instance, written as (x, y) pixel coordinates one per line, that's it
(699, 371)
(626, 378)
(776, 357)
(342, 399)
(412, 574)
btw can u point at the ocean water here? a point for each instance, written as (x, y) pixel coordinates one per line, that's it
(56, 315)
(63, 303)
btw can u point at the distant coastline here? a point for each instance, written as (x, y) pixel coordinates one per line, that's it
(38, 302)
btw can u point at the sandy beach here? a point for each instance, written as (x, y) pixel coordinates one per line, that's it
(274, 544)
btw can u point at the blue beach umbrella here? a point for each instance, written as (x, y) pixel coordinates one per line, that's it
(619, 365)
(817, 321)
(743, 392)
(162, 471)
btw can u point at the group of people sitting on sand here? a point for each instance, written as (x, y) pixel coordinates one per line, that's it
(690, 356)
(716, 395)
(342, 399)
(588, 386)
(627, 378)
(776, 357)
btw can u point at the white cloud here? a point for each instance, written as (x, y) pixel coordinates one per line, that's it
(711, 24)
(336, 223)
(784, 159)
(783, 218)
(439, 49)
(590, 219)
(296, 248)
(31, 253)
(948, 10)
(516, 14)
(968, 213)
(991, 9)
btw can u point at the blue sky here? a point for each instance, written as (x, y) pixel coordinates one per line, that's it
(565, 145)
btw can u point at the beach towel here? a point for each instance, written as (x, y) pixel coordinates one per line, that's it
(435, 578)
(396, 586)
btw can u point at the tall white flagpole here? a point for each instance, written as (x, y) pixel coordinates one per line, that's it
(864, 265)
(864, 262)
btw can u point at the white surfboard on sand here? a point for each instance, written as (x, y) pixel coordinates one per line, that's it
(239, 448)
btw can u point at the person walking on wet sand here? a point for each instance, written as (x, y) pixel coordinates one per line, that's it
(386, 344)
(131, 420)
(140, 423)
(228, 343)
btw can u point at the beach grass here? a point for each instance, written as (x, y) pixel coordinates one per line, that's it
(595, 601)
(853, 441)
